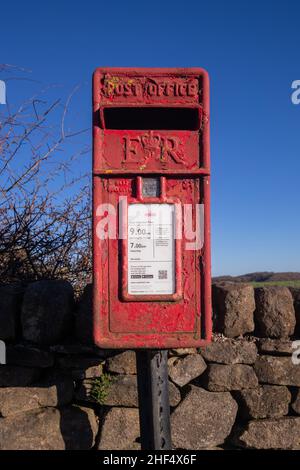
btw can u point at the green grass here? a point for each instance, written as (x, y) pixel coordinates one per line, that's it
(277, 283)
(100, 388)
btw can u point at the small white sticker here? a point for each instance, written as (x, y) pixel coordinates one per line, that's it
(151, 249)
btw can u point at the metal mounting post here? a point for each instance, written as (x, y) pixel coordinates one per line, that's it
(154, 406)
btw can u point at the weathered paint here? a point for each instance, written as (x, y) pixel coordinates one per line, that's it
(181, 159)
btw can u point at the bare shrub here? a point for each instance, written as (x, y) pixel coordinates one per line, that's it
(45, 201)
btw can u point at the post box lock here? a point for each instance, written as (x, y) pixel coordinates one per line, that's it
(151, 224)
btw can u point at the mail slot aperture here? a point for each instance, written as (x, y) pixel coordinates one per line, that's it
(152, 118)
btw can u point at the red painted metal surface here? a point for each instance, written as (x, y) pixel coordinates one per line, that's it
(180, 160)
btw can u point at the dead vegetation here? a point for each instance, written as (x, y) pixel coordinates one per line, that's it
(45, 201)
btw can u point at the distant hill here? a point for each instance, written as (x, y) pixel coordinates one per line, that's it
(260, 277)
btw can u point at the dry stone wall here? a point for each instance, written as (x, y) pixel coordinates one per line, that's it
(57, 391)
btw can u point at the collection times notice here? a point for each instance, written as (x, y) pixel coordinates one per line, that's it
(151, 249)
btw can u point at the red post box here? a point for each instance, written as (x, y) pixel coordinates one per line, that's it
(151, 208)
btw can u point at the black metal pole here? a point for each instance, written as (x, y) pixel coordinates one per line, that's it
(154, 406)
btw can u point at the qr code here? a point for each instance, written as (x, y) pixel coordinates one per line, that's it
(163, 274)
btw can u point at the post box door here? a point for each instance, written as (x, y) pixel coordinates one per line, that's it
(150, 182)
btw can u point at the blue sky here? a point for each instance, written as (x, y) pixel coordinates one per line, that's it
(251, 51)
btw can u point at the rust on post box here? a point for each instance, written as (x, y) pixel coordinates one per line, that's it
(151, 208)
